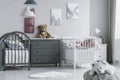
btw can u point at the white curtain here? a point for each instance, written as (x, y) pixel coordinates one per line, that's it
(116, 56)
(117, 20)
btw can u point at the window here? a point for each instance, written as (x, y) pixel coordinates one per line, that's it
(117, 20)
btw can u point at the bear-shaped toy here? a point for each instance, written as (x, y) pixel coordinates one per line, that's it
(42, 32)
(101, 70)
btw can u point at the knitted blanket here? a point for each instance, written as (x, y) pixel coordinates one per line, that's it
(102, 76)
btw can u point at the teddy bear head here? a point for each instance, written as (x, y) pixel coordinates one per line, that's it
(42, 28)
(99, 67)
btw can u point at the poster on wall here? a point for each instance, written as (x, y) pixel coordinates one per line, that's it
(72, 11)
(56, 16)
(29, 25)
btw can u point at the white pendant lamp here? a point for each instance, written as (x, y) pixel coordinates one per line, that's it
(28, 13)
(30, 2)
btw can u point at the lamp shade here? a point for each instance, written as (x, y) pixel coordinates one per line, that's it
(30, 2)
(28, 13)
(97, 30)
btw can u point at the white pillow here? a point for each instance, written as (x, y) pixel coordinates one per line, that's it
(14, 44)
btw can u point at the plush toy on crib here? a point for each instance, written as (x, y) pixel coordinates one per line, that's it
(101, 70)
(42, 32)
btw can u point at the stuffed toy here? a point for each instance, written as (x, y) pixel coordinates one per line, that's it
(43, 32)
(102, 67)
(101, 70)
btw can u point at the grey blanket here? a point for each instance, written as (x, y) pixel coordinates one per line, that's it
(102, 76)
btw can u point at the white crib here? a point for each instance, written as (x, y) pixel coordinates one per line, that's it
(78, 51)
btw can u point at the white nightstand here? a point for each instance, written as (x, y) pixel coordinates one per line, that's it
(102, 53)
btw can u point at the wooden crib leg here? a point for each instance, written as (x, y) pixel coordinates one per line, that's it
(29, 66)
(56, 64)
(3, 68)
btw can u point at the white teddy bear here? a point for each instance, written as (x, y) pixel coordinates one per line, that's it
(100, 68)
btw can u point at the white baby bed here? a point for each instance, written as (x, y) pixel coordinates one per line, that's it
(78, 51)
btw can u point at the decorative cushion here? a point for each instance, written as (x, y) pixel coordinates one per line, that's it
(14, 44)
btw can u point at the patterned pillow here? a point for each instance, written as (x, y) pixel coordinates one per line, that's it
(14, 44)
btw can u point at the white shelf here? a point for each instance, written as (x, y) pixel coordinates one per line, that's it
(45, 38)
(102, 53)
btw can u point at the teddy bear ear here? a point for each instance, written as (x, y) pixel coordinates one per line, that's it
(38, 27)
(45, 25)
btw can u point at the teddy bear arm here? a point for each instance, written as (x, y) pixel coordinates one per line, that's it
(48, 35)
(110, 70)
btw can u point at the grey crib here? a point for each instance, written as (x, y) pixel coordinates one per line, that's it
(16, 51)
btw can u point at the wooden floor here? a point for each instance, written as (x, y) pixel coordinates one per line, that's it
(23, 74)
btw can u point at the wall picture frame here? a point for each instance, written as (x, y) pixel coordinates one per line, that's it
(56, 16)
(29, 25)
(72, 10)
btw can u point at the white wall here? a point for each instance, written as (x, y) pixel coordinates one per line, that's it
(99, 17)
(11, 19)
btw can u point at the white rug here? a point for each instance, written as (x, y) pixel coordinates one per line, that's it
(52, 75)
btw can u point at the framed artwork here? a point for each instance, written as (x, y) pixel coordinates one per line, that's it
(29, 25)
(56, 16)
(72, 11)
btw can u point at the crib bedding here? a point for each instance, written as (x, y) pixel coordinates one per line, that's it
(14, 56)
(14, 44)
(80, 43)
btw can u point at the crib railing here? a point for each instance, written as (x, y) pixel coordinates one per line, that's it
(17, 49)
(79, 50)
